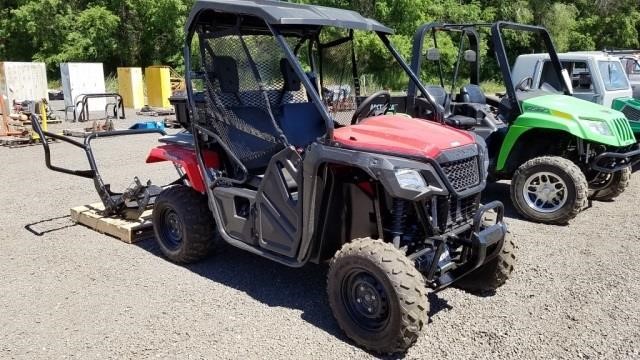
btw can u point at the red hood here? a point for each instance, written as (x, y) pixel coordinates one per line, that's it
(402, 135)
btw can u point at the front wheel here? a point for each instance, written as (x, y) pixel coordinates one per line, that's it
(605, 187)
(490, 276)
(549, 189)
(377, 296)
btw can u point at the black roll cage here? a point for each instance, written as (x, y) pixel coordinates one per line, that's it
(470, 30)
(279, 31)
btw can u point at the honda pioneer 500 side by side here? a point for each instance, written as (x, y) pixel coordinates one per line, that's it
(286, 158)
(556, 149)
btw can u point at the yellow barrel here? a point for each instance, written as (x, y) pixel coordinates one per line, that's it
(131, 87)
(158, 79)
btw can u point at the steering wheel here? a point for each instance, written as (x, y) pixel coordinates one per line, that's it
(525, 84)
(360, 114)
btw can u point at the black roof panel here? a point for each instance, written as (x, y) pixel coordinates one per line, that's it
(283, 13)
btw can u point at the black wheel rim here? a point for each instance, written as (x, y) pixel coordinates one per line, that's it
(171, 229)
(365, 300)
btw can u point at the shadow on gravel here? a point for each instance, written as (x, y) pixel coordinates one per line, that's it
(500, 191)
(46, 226)
(636, 167)
(277, 285)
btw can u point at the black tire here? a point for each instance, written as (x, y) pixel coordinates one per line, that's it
(490, 276)
(576, 189)
(390, 322)
(183, 225)
(613, 186)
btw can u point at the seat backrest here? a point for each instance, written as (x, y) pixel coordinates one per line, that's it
(438, 92)
(226, 69)
(473, 94)
(226, 72)
(301, 123)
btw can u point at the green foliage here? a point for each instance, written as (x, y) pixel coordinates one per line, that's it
(146, 32)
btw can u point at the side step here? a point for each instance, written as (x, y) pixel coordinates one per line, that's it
(129, 231)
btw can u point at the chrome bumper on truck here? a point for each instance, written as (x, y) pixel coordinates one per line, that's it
(481, 245)
(610, 162)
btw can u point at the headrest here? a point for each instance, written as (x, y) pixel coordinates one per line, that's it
(291, 80)
(226, 70)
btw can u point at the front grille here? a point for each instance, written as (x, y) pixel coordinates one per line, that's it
(462, 174)
(462, 210)
(623, 129)
(631, 113)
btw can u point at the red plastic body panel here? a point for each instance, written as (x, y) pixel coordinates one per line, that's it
(186, 158)
(397, 134)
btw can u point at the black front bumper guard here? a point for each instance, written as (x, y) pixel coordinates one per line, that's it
(132, 202)
(610, 162)
(484, 244)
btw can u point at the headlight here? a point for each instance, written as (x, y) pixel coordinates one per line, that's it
(599, 127)
(410, 180)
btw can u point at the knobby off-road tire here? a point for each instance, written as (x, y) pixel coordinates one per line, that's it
(490, 276)
(183, 225)
(616, 186)
(576, 187)
(372, 270)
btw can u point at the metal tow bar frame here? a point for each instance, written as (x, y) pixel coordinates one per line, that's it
(114, 203)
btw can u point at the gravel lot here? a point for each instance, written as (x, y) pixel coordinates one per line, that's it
(72, 292)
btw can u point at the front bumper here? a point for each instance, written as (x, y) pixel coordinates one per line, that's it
(610, 162)
(482, 245)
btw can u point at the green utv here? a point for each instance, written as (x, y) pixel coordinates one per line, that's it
(557, 150)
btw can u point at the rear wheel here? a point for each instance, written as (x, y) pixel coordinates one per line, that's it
(606, 187)
(377, 296)
(549, 189)
(492, 275)
(183, 225)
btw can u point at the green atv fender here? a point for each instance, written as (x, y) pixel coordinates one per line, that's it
(631, 108)
(570, 115)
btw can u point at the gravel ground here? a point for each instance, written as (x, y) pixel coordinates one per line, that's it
(72, 292)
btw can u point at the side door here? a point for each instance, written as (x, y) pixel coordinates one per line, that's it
(279, 204)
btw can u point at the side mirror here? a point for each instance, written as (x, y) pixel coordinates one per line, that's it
(470, 56)
(433, 54)
(567, 80)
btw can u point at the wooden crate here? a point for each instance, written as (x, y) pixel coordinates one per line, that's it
(129, 231)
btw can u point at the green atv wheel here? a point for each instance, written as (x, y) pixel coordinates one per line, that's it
(607, 187)
(377, 296)
(549, 189)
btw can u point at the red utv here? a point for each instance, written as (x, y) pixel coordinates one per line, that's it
(286, 157)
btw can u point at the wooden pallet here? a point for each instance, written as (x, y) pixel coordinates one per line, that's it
(129, 231)
(14, 141)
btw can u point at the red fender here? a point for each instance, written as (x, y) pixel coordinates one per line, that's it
(186, 159)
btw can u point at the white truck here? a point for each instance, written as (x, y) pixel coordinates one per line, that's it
(596, 76)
